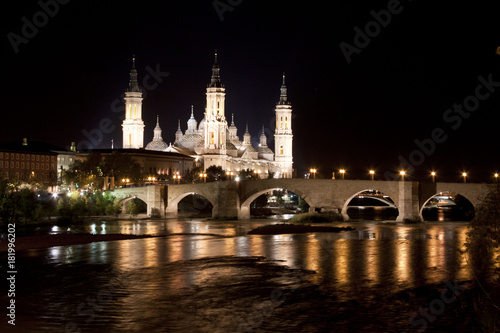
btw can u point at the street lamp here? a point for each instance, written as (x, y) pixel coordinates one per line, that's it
(230, 174)
(464, 174)
(496, 177)
(433, 175)
(372, 174)
(204, 176)
(342, 172)
(313, 171)
(402, 173)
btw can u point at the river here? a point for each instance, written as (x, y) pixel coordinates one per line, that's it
(210, 276)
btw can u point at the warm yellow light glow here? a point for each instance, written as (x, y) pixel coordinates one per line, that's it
(433, 173)
(342, 171)
(372, 172)
(402, 172)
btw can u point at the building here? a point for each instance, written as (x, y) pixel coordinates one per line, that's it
(29, 161)
(158, 164)
(213, 141)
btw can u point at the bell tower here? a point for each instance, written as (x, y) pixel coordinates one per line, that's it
(215, 119)
(283, 136)
(133, 126)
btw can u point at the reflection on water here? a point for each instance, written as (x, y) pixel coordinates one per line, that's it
(167, 283)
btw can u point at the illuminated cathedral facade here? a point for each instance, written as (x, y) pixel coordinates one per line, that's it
(213, 141)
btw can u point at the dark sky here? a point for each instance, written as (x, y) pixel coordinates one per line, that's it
(364, 114)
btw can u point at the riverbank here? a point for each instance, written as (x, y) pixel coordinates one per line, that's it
(44, 241)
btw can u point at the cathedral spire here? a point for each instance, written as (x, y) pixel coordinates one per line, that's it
(157, 130)
(283, 93)
(178, 134)
(215, 80)
(134, 84)
(263, 138)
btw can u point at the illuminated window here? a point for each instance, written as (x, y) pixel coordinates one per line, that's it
(281, 150)
(130, 139)
(211, 138)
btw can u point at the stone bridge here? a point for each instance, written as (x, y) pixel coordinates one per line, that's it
(232, 199)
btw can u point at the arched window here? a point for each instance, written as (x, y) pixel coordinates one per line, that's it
(281, 150)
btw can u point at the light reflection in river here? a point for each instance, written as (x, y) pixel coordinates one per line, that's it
(375, 259)
(372, 254)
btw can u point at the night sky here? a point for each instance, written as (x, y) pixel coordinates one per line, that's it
(397, 88)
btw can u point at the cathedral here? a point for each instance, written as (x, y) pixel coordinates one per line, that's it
(213, 141)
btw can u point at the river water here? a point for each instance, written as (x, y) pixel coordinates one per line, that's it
(209, 276)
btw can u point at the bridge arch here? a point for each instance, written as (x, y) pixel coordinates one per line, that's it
(173, 204)
(124, 202)
(394, 197)
(461, 200)
(254, 194)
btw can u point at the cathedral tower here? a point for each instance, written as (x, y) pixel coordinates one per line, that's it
(215, 119)
(133, 126)
(283, 136)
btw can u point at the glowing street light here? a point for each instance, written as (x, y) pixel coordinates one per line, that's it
(313, 171)
(204, 176)
(402, 173)
(342, 173)
(496, 177)
(433, 175)
(372, 174)
(464, 174)
(178, 177)
(230, 174)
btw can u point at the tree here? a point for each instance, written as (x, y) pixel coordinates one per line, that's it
(215, 173)
(85, 173)
(122, 166)
(193, 176)
(245, 174)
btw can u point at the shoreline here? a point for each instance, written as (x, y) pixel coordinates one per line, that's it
(45, 241)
